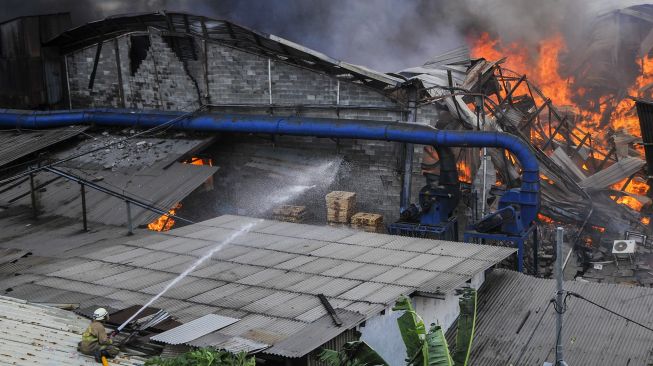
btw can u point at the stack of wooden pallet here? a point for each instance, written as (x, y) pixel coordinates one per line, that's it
(290, 213)
(368, 221)
(340, 206)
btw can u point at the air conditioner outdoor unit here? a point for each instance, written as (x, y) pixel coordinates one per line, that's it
(623, 247)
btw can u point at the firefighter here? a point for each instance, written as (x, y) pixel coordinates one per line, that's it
(95, 341)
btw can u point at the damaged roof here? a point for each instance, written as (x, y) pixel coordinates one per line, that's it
(147, 169)
(41, 335)
(20, 143)
(267, 278)
(223, 32)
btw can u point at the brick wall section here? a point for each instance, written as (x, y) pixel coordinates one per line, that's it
(372, 169)
(105, 91)
(237, 77)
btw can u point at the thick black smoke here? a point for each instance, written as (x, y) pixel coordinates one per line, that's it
(384, 34)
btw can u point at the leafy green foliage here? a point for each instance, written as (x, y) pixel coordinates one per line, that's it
(422, 348)
(204, 357)
(356, 353)
(413, 332)
(466, 327)
(437, 348)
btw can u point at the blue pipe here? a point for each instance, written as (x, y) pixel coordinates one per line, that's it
(528, 194)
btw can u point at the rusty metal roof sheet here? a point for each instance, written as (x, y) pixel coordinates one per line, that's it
(40, 335)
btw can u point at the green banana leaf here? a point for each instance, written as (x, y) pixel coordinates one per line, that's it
(413, 333)
(466, 327)
(438, 350)
(356, 353)
(362, 351)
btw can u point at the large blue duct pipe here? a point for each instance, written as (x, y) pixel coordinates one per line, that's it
(528, 194)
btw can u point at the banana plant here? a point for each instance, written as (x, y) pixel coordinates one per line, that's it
(356, 353)
(423, 348)
(430, 348)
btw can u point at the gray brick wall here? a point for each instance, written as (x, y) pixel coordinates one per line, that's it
(105, 92)
(372, 169)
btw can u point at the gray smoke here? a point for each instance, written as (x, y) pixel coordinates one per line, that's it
(383, 34)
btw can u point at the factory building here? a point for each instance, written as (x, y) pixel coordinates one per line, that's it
(179, 62)
(79, 233)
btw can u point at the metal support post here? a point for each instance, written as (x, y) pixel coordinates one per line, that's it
(559, 295)
(408, 151)
(536, 245)
(130, 225)
(83, 192)
(32, 191)
(520, 255)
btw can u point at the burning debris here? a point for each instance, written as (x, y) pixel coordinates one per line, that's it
(164, 222)
(588, 141)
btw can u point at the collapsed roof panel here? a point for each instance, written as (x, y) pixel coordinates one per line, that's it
(18, 144)
(145, 170)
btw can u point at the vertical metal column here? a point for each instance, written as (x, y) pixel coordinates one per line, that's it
(408, 151)
(83, 192)
(536, 246)
(32, 191)
(559, 295)
(130, 225)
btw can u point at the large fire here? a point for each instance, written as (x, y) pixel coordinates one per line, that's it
(543, 68)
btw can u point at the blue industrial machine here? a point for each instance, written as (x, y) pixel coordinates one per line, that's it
(513, 221)
(434, 217)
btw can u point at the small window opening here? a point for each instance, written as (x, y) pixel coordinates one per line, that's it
(138, 52)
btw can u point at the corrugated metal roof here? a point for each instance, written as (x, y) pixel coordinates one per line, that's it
(154, 177)
(317, 332)
(516, 324)
(194, 329)
(40, 335)
(230, 343)
(270, 277)
(18, 144)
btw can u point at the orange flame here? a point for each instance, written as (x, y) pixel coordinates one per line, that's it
(200, 161)
(545, 219)
(464, 172)
(542, 67)
(645, 220)
(599, 228)
(165, 222)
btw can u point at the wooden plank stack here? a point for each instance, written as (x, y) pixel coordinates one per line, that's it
(290, 213)
(340, 206)
(370, 222)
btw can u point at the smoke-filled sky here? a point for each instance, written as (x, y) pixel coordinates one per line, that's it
(387, 35)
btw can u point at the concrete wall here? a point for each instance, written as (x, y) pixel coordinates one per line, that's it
(226, 76)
